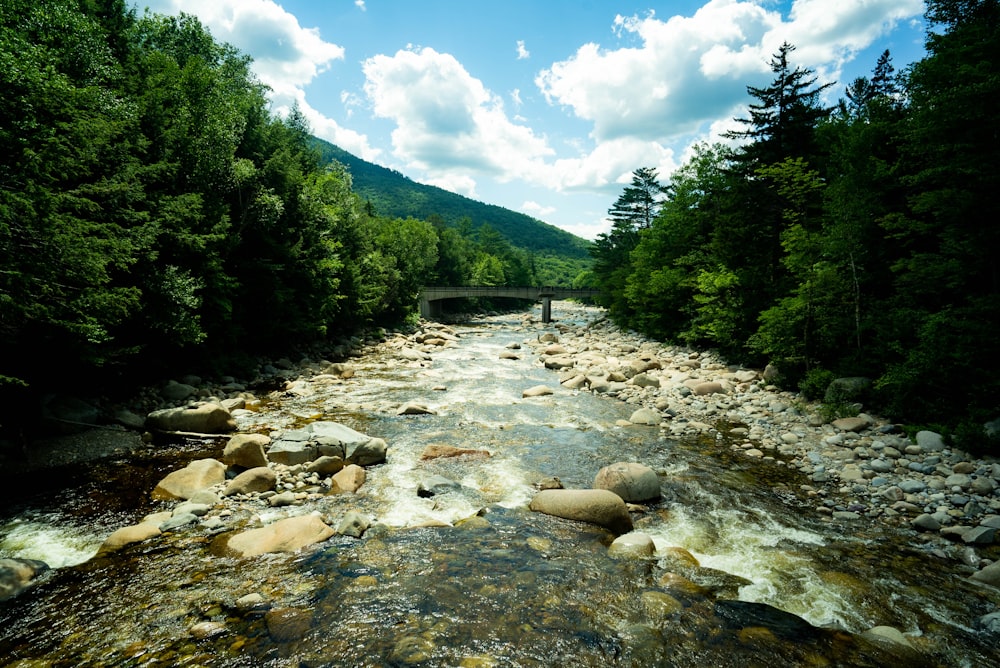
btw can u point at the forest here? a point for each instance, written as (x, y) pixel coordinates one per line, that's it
(152, 208)
(858, 240)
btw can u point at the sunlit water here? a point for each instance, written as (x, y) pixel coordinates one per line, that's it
(469, 576)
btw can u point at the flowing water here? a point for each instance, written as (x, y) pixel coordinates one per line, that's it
(469, 576)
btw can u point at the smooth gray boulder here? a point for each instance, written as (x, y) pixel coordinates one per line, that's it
(634, 483)
(596, 506)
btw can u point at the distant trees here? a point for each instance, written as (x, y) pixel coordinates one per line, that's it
(857, 240)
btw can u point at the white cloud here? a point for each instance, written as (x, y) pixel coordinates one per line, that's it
(360, 5)
(522, 52)
(535, 209)
(462, 184)
(688, 71)
(447, 121)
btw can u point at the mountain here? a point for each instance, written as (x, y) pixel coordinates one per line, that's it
(396, 196)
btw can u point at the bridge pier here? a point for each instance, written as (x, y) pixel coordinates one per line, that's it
(546, 309)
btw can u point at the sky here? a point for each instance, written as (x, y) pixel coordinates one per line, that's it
(542, 106)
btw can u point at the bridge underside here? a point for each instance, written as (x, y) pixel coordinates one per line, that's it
(431, 299)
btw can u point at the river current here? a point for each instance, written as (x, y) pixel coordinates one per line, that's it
(746, 574)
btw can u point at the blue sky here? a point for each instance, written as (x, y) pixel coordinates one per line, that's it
(542, 106)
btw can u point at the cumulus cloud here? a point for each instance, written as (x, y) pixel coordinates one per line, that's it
(535, 209)
(688, 71)
(446, 120)
(522, 52)
(361, 5)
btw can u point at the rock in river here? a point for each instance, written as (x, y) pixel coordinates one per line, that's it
(201, 417)
(188, 481)
(287, 535)
(597, 506)
(633, 482)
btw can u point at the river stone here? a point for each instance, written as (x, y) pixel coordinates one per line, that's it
(246, 451)
(659, 606)
(414, 408)
(888, 633)
(989, 622)
(537, 391)
(291, 453)
(438, 451)
(175, 391)
(286, 498)
(645, 380)
(287, 535)
(349, 479)
(135, 533)
(633, 482)
(203, 630)
(912, 486)
(191, 479)
(559, 362)
(930, 441)
(201, 417)
(925, 522)
(851, 424)
(980, 536)
(597, 506)
(354, 525)
(983, 486)
(708, 387)
(259, 479)
(632, 546)
(177, 521)
(647, 416)
(17, 575)
(325, 465)
(366, 453)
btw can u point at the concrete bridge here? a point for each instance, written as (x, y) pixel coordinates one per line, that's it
(431, 297)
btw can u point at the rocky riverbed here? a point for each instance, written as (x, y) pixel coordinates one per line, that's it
(286, 478)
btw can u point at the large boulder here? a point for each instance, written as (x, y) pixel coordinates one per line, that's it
(596, 506)
(633, 482)
(287, 535)
(246, 451)
(188, 481)
(16, 575)
(201, 417)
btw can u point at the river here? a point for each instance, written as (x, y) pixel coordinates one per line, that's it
(745, 573)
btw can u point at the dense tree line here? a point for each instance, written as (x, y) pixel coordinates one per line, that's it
(151, 206)
(858, 240)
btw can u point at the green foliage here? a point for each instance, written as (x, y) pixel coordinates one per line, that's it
(391, 194)
(813, 385)
(854, 241)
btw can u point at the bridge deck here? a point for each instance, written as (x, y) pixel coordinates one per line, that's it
(429, 296)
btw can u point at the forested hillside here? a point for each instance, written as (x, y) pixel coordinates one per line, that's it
(858, 240)
(392, 194)
(153, 209)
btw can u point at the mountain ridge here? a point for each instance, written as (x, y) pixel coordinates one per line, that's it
(393, 194)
